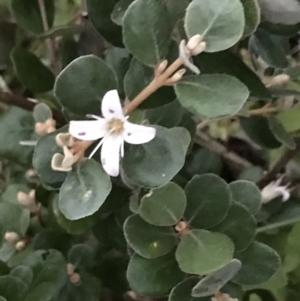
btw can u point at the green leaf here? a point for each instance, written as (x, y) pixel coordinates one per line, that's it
(53, 239)
(99, 12)
(280, 132)
(201, 252)
(24, 273)
(7, 42)
(77, 227)
(12, 288)
(81, 256)
(252, 16)
(2, 298)
(163, 206)
(28, 15)
(270, 48)
(292, 256)
(247, 194)
(222, 26)
(183, 135)
(155, 163)
(118, 59)
(251, 174)
(289, 119)
(153, 277)
(257, 128)
(48, 266)
(208, 201)
(233, 290)
(16, 125)
(212, 95)
(31, 71)
(84, 190)
(177, 9)
(183, 291)
(168, 115)
(229, 63)
(137, 78)
(147, 240)
(202, 161)
(147, 36)
(239, 225)
(119, 10)
(259, 264)
(213, 282)
(14, 218)
(42, 112)
(42, 292)
(90, 79)
(45, 149)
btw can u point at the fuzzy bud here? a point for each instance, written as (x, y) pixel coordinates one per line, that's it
(280, 80)
(11, 237)
(27, 200)
(20, 245)
(200, 48)
(70, 269)
(75, 278)
(162, 66)
(177, 76)
(194, 41)
(40, 128)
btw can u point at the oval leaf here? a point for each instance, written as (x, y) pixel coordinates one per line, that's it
(153, 277)
(252, 16)
(239, 225)
(247, 194)
(24, 273)
(163, 206)
(201, 252)
(31, 71)
(147, 240)
(213, 282)
(155, 163)
(84, 190)
(28, 15)
(90, 79)
(259, 264)
(147, 36)
(221, 23)
(208, 201)
(212, 95)
(280, 132)
(183, 291)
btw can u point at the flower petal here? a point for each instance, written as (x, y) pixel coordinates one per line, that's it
(88, 130)
(111, 105)
(110, 154)
(138, 134)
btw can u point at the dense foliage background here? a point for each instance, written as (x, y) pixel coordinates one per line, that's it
(207, 210)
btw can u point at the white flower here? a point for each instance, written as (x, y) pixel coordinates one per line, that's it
(114, 129)
(274, 190)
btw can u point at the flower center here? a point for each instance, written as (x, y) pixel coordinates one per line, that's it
(115, 126)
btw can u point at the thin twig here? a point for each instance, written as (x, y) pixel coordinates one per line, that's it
(22, 102)
(281, 163)
(49, 41)
(208, 142)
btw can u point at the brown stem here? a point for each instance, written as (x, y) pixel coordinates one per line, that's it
(24, 103)
(280, 164)
(263, 110)
(234, 159)
(159, 80)
(49, 41)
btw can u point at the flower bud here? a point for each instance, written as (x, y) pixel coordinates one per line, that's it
(26, 200)
(162, 66)
(11, 237)
(194, 42)
(40, 128)
(280, 80)
(20, 245)
(70, 269)
(177, 76)
(75, 278)
(200, 48)
(50, 122)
